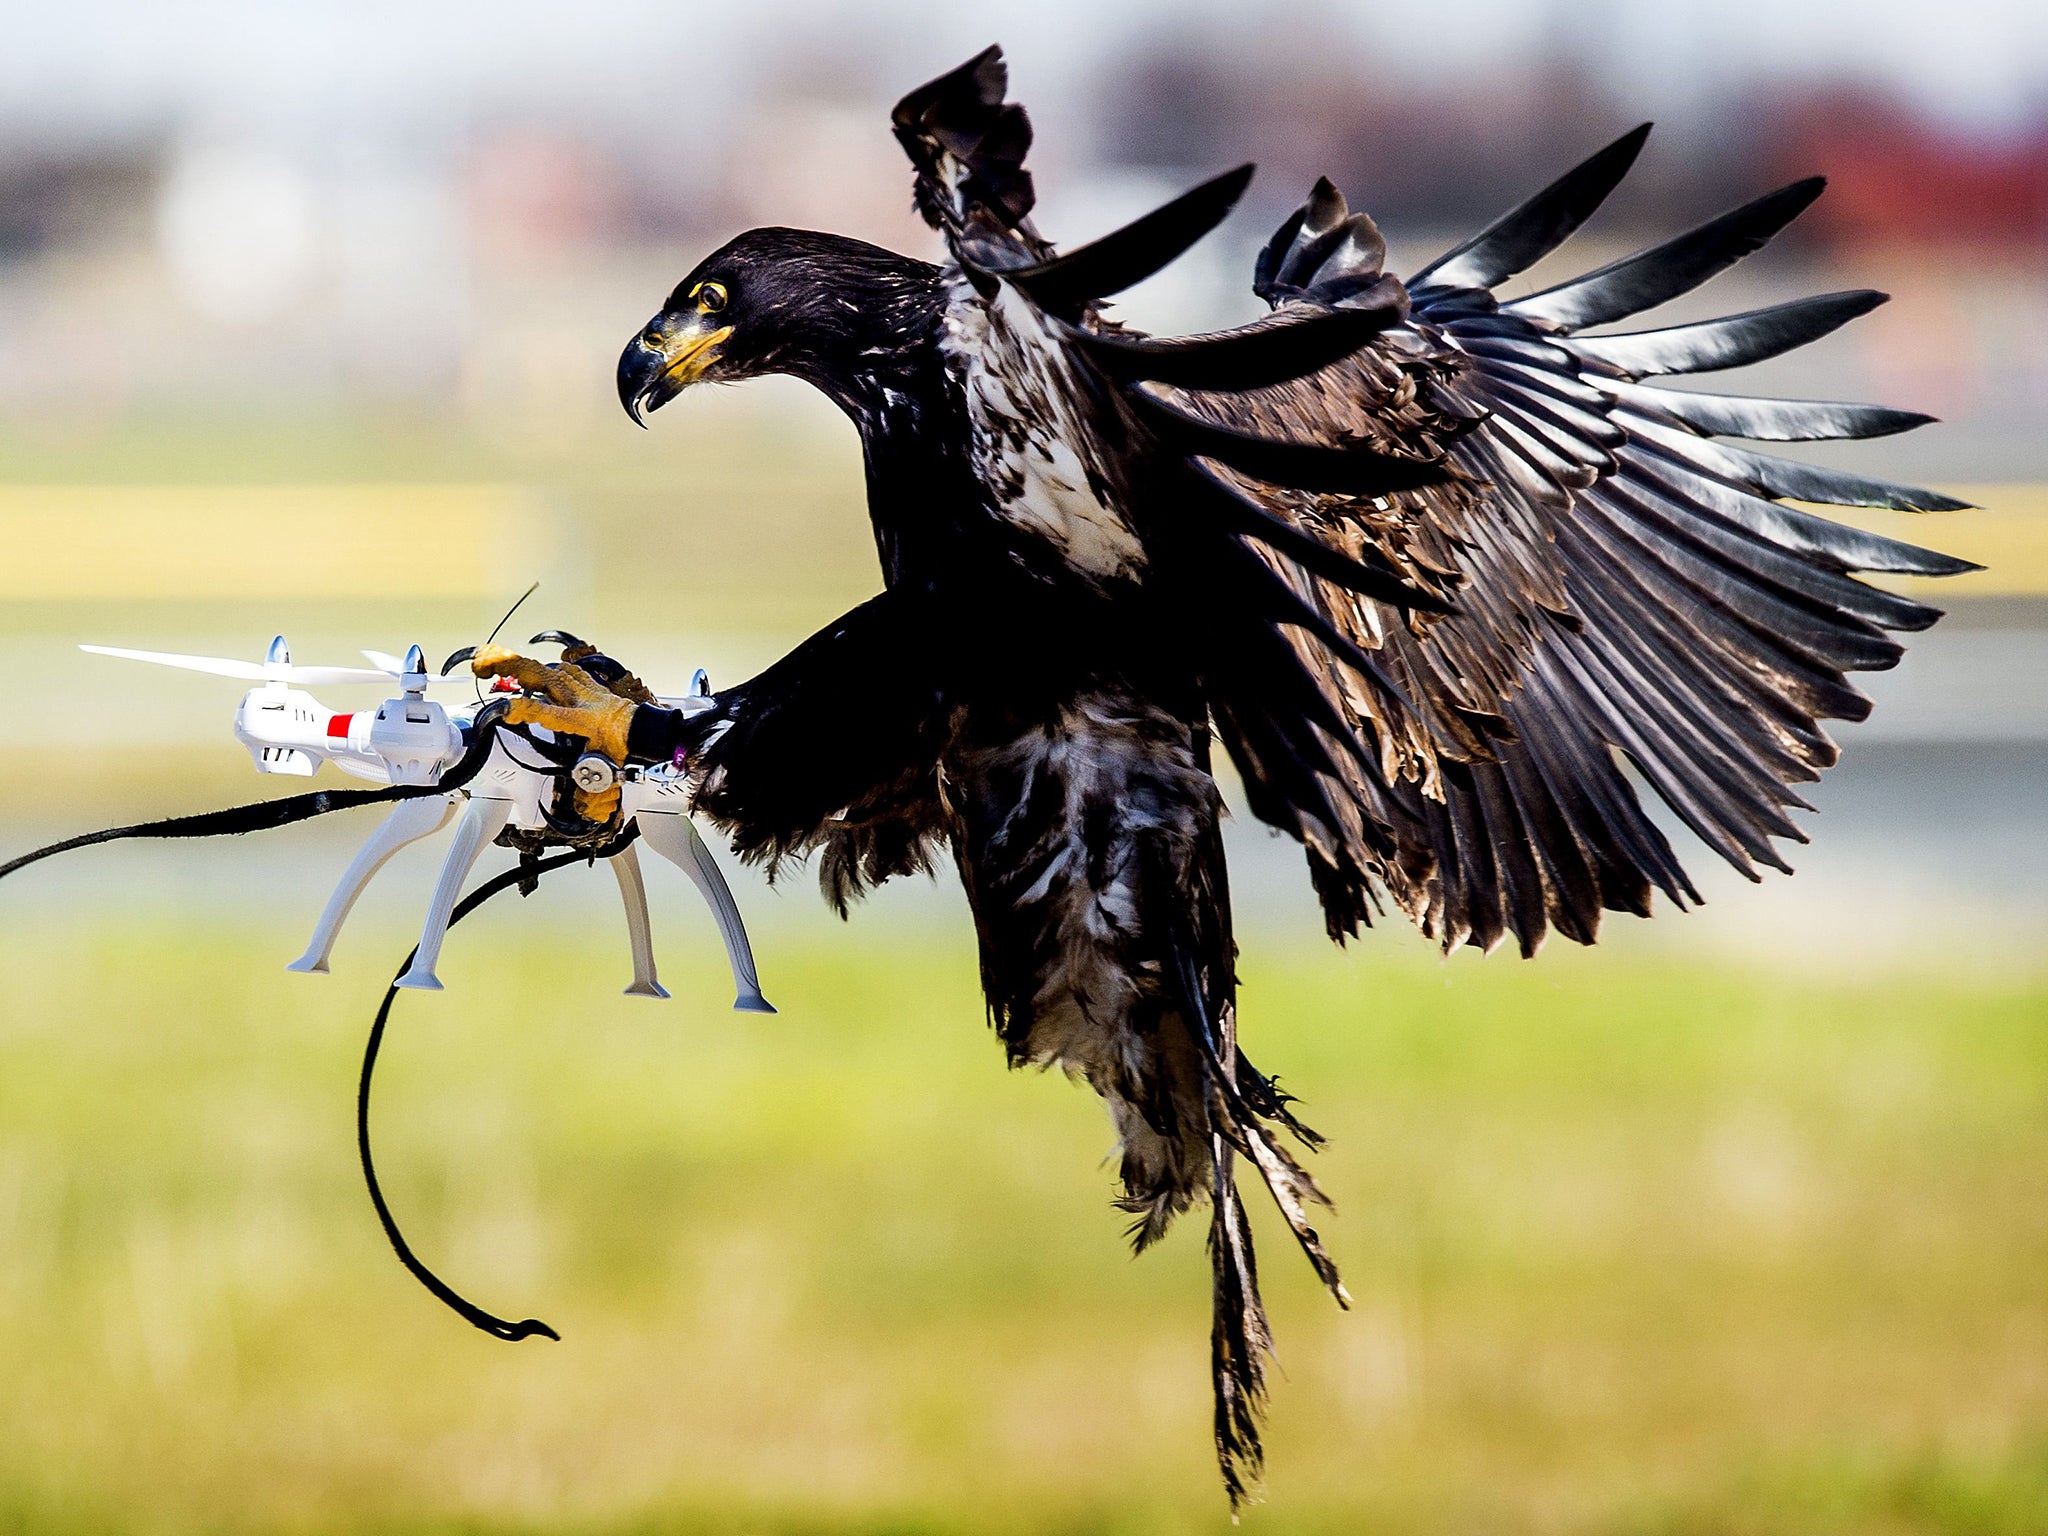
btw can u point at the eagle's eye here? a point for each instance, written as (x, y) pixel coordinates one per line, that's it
(710, 297)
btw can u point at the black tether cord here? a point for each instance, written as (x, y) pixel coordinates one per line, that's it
(521, 874)
(265, 814)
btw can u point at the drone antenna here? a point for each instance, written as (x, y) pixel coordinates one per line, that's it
(507, 619)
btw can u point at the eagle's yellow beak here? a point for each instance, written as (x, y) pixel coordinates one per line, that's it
(671, 354)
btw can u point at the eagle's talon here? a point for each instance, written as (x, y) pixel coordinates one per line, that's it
(564, 698)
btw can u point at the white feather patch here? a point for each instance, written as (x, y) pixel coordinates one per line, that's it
(1033, 445)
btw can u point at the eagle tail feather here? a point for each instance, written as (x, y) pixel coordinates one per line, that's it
(1239, 1339)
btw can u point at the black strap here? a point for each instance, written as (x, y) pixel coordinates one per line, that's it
(523, 875)
(265, 814)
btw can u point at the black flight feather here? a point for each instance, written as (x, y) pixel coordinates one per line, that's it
(1801, 481)
(1764, 420)
(1734, 341)
(1524, 236)
(1067, 283)
(1649, 278)
(962, 117)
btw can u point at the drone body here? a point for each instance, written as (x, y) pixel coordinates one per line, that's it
(406, 740)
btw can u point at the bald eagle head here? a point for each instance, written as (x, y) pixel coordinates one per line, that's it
(843, 315)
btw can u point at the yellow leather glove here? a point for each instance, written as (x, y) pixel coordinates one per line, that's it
(566, 699)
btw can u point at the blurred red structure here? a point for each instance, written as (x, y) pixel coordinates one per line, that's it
(1894, 176)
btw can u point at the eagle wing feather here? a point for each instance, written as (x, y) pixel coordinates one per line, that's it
(1451, 568)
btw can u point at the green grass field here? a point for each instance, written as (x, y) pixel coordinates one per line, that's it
(1639, 1246)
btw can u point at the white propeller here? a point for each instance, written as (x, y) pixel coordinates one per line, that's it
(278, 668)
(253, 671)
(398, 668)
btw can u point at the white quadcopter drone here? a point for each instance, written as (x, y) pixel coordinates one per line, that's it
(515, 784)
(521, 796)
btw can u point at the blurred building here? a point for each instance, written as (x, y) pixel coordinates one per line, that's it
(400, 227)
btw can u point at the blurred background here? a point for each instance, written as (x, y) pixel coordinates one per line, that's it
(308, 316)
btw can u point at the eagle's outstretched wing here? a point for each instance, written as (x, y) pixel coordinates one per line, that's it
(1631, 586)
(1447, 562)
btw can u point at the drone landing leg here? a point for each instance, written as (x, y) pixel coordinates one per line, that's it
(482, 822)
(676, 839)
(408, 823)
(633, 891)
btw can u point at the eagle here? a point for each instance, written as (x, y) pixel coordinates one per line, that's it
(1443, 575)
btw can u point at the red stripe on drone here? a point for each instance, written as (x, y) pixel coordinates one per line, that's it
(337, 725)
